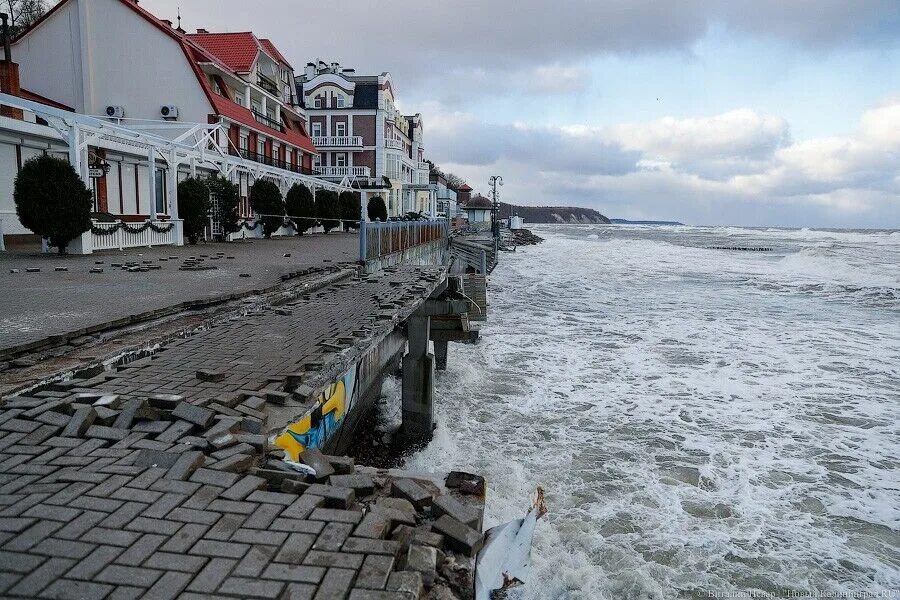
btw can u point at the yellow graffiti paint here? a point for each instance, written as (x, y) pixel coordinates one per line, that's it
(331, 407)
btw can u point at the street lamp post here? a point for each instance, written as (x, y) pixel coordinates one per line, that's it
(494, 181)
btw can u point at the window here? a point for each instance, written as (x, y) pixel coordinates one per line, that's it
(340, 129)
(239, 99)
(317, 161)
(318, 102)
(340, 101)
(257, 108)
(260, 147)
(243, 142)
(340, 159)
(275, 153)
(160, 191)
(317, 129)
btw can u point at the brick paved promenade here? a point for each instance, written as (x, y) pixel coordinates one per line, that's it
(159, 481)
(37, 305)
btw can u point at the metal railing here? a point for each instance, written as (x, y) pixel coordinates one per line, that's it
(480, 257)
(342, 171)
(268, 160)
(267, 121)
(382, 239)
(337, 141)
(267, 84)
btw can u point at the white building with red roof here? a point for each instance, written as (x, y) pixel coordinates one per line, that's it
(114, 60)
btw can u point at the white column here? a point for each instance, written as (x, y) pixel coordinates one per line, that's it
(265, 105)
(172, 188)
(193, 167)
(151, 164)
(247, 102)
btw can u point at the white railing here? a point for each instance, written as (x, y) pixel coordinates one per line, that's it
(119, 237)
(337, 141)
(343, 171)
(424, 166)
(393, 144)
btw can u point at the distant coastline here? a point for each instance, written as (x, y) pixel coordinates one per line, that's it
(552, 214)
(629, 222)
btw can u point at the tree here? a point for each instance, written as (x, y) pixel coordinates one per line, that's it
(225, 198)
(22, 13)
(265, 199)
(52, 200)
(377, 209)
(327, 209)
(454, 181)
(300, 204)
(193, 207)
(349, 203)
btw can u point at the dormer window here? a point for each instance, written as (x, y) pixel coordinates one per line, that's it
(340, 101)
(317, 102)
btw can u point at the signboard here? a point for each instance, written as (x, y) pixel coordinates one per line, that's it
(96, 172)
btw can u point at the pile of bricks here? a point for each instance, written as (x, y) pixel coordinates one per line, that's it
(106, 496)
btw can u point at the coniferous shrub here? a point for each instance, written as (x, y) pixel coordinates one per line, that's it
(327, 209)
(265, 199)
(377, 209)
(349, 203)
(299, 203)
(193, 207)
(52, 200)
(226, 207)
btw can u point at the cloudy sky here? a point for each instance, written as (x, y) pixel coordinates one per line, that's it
(762, 112)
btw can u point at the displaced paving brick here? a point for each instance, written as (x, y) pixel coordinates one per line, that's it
(272, 497)
(155, 458)
(335, 497)
(423, 560)
(194, 414)
(341, 516)
(374, 572)
(406, 582)
(412, 491)
(448, 505)
(314, 458)
(458, 536)
(212, 375)
(374, 525)
(186, 464)
(80, 422)
(176, 430)
(360, 483)
(216, 478)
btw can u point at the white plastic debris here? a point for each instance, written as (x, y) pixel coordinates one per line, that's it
(297, 466)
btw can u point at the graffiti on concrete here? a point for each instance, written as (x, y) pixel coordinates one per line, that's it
(320, 423)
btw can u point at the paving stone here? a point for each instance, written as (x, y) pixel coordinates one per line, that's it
(406, 582)
(67, 589)
(256, 588)
(32, 584)
(169, 561)
(194, 414)
(138, 552)
(93, 563)
(295, 548)
(185, 537)
(237, 463)
(448, 505)
(341, 516)
(360, 483)
(175, 431)
(186, 464)
(153, 525)
(296, 526)
(458, 536)
(168, 587)
(361, 594)
(225, 527)
(335, 497)
(374, 525)
(124, 575)
(218, 478)
(212, 575)
(259, 536)
(63, 548)
(218, 549)
(336, 584)
(19, 563)
(374, 572)
(333, 559)
(263, 516)
(371, 546)
(272, 497)
(211, 375)
(32, 536)
(256, 559)
(332, 536)
(314, 458)
(412, 491)
(296, 573)
(243, 487)
(303, 506)
(423, 560)
(80, 422)
(115, 537)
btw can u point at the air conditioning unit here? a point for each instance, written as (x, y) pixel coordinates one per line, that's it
(117, 112)
(169, 111)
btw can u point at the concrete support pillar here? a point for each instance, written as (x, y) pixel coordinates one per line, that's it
(151, 165)
(440, 355)
(418, 383)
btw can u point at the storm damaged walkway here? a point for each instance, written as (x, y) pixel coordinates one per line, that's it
(160, 480)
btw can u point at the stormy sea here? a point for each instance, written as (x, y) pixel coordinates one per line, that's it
(706, 422)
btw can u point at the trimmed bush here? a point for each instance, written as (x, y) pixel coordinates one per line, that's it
(265, 199)
(52, 200)
(193, 207)
(377, 209)
(226, 205)
(349, 203)
(299, 203)
(327, 209)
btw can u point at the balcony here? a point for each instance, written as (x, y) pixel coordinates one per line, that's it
(267, 84)
(424, 166)
(338, 141)
(268, 160)
(268, 122)
(393, 144)
(342, 171)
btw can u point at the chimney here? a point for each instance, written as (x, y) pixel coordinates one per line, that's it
(9, 73)
(167, 21)
(310, 71)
